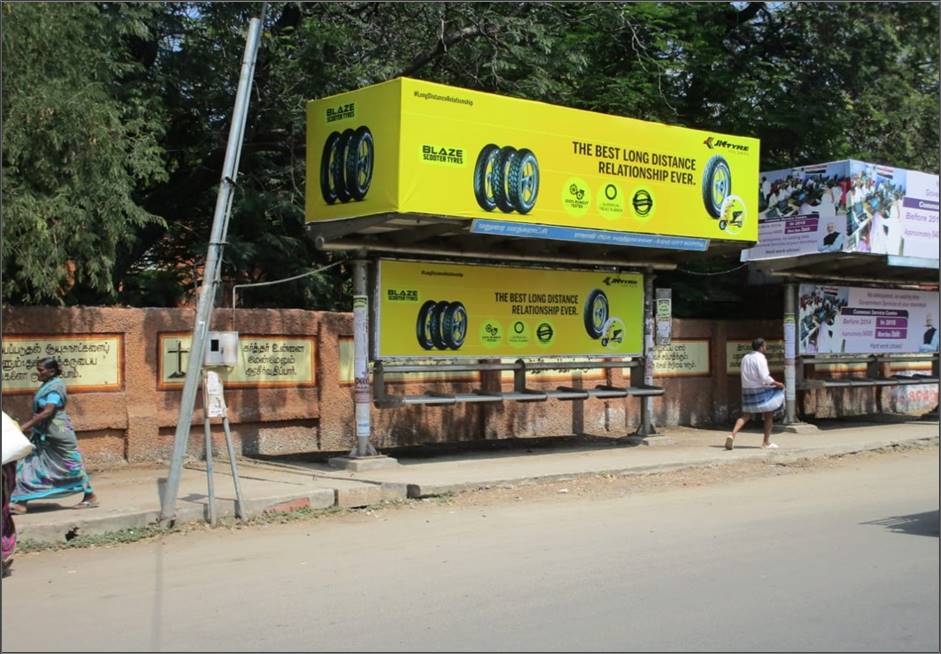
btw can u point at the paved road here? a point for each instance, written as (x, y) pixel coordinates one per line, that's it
(832, 559)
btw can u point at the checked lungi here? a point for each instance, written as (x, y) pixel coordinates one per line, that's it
(762, 400)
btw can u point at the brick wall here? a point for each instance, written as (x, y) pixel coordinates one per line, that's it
(136, 423)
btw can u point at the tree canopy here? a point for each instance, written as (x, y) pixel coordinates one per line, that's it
(115, 115)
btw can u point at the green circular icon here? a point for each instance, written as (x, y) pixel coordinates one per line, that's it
(491, 333)
(642, 204)
(611, 201)
(576, 196)
(733, 215)
(519, 334)
(545, 333)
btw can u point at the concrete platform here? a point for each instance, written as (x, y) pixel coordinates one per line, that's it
(363, 463)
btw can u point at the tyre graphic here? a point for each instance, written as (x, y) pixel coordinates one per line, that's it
(454, 325)
(435, 328)
(507, 178)
(359, 163)
(327, 163)
(423, 325)
(716, 184)
(523, 180)
(596, 313)
(501, 191)
(338, 167)
(483, 176)
(346, 165)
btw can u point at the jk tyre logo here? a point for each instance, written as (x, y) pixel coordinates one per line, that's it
(346, 165)
(713, 143)
(507, 178)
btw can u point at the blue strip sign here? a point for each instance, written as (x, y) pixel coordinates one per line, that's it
(596, 236)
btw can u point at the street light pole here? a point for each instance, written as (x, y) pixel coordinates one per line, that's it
(213, 268)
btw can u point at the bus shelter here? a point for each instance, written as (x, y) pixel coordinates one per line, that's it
(495, 233)
(856, 246)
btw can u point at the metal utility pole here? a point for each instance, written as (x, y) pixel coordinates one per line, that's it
(791, 333)
(212, 272)
(362, 394)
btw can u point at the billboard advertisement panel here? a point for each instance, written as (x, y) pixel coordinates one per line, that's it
(846, 206)
(851, 320)
(443, 310)
(416, 147)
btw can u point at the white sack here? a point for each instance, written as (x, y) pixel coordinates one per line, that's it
(15, 444)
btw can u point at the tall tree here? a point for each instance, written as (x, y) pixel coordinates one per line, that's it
(814, 81)
(77, 145)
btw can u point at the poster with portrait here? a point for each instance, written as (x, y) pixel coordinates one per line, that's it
(846, 206)
(851, 320)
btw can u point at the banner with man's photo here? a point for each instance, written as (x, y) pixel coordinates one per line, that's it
(850, 320)
(846, 206)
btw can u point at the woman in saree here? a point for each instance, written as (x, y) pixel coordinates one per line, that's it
(55, 467)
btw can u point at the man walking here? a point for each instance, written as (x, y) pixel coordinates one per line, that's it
(760, 393)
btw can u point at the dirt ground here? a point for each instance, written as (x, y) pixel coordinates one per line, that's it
(606, 486)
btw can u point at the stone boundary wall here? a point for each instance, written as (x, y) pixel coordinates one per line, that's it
(134, 422)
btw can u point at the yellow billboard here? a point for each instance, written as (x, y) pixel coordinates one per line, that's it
(442, 310)
(416, 147)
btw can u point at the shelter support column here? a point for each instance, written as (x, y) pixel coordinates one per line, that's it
(362, 396)
(790, 354)
(646, 427)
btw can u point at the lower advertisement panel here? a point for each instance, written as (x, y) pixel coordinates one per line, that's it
(445, 310)
(853, 320)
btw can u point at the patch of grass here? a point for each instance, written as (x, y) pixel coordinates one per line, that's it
(118, 537)
(133, 535)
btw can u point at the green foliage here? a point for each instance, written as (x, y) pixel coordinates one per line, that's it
(77, 146)
(116, 116)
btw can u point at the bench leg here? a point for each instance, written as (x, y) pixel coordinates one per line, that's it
(645, 428)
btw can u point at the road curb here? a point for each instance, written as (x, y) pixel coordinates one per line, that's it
(417, 491)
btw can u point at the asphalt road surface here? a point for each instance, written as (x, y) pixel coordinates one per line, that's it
(844, 557)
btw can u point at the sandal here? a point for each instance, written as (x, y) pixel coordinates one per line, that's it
(86, 504)
(17, 509)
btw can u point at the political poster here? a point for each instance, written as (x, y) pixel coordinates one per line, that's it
(846, 206)
(852, 320)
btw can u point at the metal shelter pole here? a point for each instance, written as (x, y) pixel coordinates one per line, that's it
(210, 481)
(362, 396)
(239, 503)
(646, 427)
(212, 268)
(790, 354)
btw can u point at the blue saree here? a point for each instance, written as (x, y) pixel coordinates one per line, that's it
(55, 468)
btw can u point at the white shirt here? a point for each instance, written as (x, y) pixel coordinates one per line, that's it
(755, 371)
